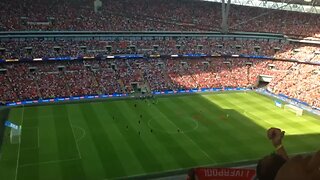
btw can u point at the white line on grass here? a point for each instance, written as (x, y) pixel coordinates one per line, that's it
(193, 142)
(18, 157)
(83, 132)
(74, 137)
(200, 148)
(38, 134)
(42, 117)
(50, 162)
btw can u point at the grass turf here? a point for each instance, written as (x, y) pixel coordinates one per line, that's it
(112, 139)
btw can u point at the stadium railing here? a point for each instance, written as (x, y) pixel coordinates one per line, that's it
(184, 171)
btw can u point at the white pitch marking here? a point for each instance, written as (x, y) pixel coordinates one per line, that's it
(74, 137)
(38, 134)
(192, 141)
(18, 157)
(50, 162)
(83, 132)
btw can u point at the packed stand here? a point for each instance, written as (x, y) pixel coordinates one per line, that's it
(300, 82)
(31, 49)
(150, 15)
(40, 80)
(301, 52)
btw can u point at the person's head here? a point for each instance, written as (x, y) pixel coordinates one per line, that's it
(267, 167)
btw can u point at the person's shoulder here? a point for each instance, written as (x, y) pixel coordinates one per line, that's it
(298, 167)
(293, 169)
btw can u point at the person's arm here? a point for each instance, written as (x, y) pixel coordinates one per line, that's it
(276, 136)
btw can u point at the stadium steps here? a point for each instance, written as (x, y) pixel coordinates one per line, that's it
(145, 81)
(67, 85)
(37, 85)
(165, 73)
(189, 72)
(102, 88)
(123, 88)
(9, 83)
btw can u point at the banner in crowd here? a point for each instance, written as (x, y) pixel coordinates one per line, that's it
(61, 99)
(103, 96)
(224, 174)
(195, 90)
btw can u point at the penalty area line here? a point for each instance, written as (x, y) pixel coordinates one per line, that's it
(50, 162)
(74, 138)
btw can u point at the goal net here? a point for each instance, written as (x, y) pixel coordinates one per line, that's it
(298, 111)
(15, 135)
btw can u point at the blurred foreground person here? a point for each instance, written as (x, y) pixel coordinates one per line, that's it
(278, 166)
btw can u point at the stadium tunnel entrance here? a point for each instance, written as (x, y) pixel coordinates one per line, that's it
(263, 81)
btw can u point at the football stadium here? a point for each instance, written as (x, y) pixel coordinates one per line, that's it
(159, 89)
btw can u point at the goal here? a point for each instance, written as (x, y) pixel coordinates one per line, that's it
(295, 109)
(15, 135)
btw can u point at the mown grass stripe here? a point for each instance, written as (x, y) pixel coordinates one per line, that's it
(92, 166)
(109, 158)
(107, 145)
(167, 132)
(29, 155)
(48, 150)
(67, 147)
(141, 149)
(226, 119)
(197, 152)
(168, 142)
(118, 132)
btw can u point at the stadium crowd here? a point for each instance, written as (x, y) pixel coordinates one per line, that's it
(150, 15)
(301, 52)
(184, 45)
(300, 82)
(33, 80)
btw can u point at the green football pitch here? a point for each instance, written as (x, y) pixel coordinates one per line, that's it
(132, 138)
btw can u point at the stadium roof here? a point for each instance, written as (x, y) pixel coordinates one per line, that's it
(303, 2)
(290, 5)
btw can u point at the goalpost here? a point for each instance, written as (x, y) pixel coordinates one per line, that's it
(15, 132)
(295, 109)
(15, 135)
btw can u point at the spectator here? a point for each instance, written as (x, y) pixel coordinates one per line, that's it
(279, 166)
